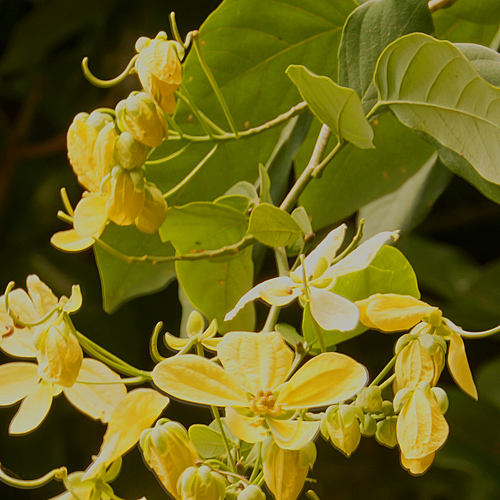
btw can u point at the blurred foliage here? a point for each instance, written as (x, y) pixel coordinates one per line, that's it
(454, 252)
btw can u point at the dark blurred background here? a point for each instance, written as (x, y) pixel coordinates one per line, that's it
(42, 43)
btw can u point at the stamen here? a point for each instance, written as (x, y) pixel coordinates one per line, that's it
(265, 403)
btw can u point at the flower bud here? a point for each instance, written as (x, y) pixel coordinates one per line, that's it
(441, 398)
(81, 139)
(252, 492)
(368, 425)
(130, 153)
(153, 212)
(386, 432)
(201, 484)
(59, 354)
(285, 471)
(168, 451)
(370, 399)
(125, 202)
(341, 425)
(140, 116)
(159, 69)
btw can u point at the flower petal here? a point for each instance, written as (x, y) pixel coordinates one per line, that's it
(333, 312)
(252, 294)
(17, 380)
(33, 409)
(459, 366)
(244, 427)
(71, 241)
(326, 379)
(328, 249)
(361, 257)
(19, 343)
(293, 434)
(96, 400)
(135, 412)
(198, 380)
(42, 296)
(21, 305)
(255, 360)
(417, 466)
(90, 216)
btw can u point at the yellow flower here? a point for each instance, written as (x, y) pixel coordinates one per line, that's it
(285, 471)
(159, 69)
(132, 415)
(201, 483)
(421, 427)
(341, 425)
(168, 451)
(196, 334)
(252, 385)
(312, 281)
(390, 313)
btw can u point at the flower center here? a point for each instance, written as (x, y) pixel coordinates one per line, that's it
(264, 403)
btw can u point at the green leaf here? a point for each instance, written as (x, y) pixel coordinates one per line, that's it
(476, 11)
(289, 333)
(389, 272)
(406, 207)
(486, 61)
(122, 281)
(248, 44)
(264, 185)
(368, 31)
(212, 285)
(272, 226)
(356, 177)
(208, 442)
(338, 107)
(441, 94)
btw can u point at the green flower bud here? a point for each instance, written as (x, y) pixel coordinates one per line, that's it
(81, 139)
(341, 424)
(201, 484)
(153, 212)
(370, 399)
(130, 153)
(386, 432)
(140, 116)
(441, 398)
(168, 451)
(387, 408)
(368, 426)
(252, 492)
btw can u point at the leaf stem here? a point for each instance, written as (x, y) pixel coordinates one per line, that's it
(387, 368)
(257, 466)
(215, 413)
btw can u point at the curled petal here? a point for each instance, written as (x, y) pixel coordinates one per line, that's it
(333, 312)
(255, 360)
(459, 366)
(326, 379)
(293, 434)
(198, 380)
(247, 429)
(71, 241)
(33, 409)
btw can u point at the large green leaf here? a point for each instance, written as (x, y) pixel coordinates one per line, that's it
(455, 29)
(440, 93)
(486, 61)
(476, 11)
(389, 272)
(212, 285)
(248, 44)
(122, 281)
(368, 31)
(356, 176)
(338, 107)
(406, 207)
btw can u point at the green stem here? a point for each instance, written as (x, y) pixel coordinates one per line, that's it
(214, 85)
(354, 243)
(165, 159)
(470, 335)
(172, 124)
(215, 413)
(187, 99)
(66, 202)
(130, 381)
(272, 319)
(153, 344)
(188, 346)
(57, 474)
(257, 466)
(318, 171)
(106, 83)
(387, 368)
(495, 43)
(387, 382)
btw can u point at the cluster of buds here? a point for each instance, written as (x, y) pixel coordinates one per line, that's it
(108, 150)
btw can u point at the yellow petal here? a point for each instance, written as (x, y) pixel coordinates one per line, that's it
(75, 301)
(33, 409)
(198, 380)
(421, 428)
(417, 466)
(255, 360)
(326, 379)
(392, 312)
(293, 434)
(42, 296)
(459, 366)
(21, 305)
(135, 412)
(175, 343)
(125, 203)
(17, 380)
(90, 216)
(333, 312)
(96, 400)
(413, 365)
(244, 428)
(71, 241)
(17, 342)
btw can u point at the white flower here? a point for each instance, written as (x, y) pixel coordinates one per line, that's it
(313, 280)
